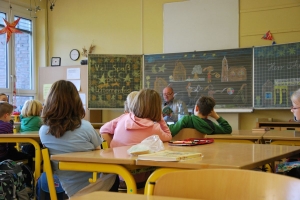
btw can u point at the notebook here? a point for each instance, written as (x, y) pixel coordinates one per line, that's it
(167, 155)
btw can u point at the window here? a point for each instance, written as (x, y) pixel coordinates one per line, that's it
(16, 56)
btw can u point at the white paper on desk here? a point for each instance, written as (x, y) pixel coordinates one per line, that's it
(82, 97)
(76, 83)
(46, 89)
(73, 73)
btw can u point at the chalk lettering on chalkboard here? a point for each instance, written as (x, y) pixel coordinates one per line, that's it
(111, 78)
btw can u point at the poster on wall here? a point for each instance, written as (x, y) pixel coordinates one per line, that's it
(276, 75)
(225, 75)
(111, 78)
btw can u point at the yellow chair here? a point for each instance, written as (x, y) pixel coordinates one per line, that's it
(49, 174)
(215, 184)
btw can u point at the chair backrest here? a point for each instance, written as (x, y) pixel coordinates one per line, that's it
(188, 133)
(49, 174)
(211, 184)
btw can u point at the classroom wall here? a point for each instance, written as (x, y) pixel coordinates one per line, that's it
(136, 27)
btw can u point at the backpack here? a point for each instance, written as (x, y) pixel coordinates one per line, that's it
(13, 181)
(42, 189)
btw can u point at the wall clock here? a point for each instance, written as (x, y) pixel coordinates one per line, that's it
(74, 54)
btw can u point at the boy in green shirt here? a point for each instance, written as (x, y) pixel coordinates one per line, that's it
(204, 107)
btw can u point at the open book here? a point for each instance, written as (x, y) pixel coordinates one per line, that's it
(167, 155)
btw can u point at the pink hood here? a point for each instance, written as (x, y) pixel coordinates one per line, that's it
(132, 122)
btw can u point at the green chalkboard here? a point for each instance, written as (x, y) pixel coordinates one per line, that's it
(111, 78)
(276, 75)
(225, 75)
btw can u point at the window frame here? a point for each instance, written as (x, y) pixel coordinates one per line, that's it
(20, 11)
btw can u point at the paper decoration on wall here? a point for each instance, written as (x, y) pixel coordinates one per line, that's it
(9, 29)
(267, 36)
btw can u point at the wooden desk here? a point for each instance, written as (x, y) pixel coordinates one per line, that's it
(283, 137)
(29, 137)
(238, 136)
(123, 196)
(227, 155)
(111, 160)
(279, 125)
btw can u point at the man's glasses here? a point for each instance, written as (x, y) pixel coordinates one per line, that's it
(167, 94)
(294, 108)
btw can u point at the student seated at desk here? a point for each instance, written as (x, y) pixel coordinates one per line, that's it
(8, 150)
(143, 120)
(65, 131)
(30, 121)
(204, 107)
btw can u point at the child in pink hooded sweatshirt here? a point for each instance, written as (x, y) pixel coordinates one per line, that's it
(144, 119)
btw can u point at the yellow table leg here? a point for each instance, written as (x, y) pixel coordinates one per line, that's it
(104, 168)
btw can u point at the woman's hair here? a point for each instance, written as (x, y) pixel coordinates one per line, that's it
(5, 108)
(63, 109)
(147, 104)
(128, 101)
(296, 95)
(205, 105)
(31, 108)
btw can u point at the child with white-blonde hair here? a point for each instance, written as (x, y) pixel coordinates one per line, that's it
(129, 98)
(30, 116)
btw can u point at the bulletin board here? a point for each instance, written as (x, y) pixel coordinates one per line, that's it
(225, 75)
(276, 75)
(111, 78)
(49, 75)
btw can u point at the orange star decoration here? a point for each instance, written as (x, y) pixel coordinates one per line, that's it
(10, 29)
(267, 36)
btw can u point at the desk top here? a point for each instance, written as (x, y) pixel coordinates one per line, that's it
(227, 155)
(237, 134)
(216, 155)
(282, 135)
(32, 134)
(117, 155)
(123, 196)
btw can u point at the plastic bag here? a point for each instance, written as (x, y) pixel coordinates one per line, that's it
(149, 145)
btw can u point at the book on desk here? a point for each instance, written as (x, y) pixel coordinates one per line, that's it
(167, 155)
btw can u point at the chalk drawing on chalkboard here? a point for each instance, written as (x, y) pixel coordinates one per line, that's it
(280, 65)
(209, 70)
(211, 90)
(193, 93)
(160, 84)
(185, 71)
(268, 95)
(230, 90)
(179, 72)
(224, 70)
(281, 96)
(241, 94)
